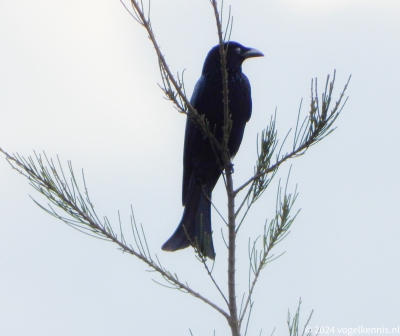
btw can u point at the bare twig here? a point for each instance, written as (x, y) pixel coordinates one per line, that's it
(209, 272)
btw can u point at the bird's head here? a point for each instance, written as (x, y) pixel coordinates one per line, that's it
(236, 54)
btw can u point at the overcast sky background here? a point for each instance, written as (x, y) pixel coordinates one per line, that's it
(79, 80)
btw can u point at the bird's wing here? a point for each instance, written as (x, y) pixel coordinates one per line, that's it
(247, 92)
(191, 137)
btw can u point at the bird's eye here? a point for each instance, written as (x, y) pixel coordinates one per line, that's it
(238, 50)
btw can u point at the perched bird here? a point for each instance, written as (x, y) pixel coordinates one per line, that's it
(202, 166)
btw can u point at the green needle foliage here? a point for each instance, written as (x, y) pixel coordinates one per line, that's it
(69, 201)
(293, 324)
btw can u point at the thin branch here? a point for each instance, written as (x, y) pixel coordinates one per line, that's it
(233, 321)
(172, 88)
(55, 188)
(293, 324)
(318, 126)
(203, 260)
(277, 230)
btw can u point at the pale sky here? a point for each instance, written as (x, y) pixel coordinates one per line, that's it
(79, 80)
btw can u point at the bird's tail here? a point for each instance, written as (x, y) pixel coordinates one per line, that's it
(195, 226)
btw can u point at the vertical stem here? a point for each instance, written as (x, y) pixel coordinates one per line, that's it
(226, 159)
(234, 322)
(225, 88)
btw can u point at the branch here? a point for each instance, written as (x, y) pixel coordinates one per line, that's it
(265, 152)
(82, 216)
(172, 88)
(225, 90)
(203, 260)
(226, 159)
(293, 325)
(317, 126)
(278, 230)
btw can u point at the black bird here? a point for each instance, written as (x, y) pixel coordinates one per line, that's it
(202, 166)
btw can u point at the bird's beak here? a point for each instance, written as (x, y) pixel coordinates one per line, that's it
(253, 53)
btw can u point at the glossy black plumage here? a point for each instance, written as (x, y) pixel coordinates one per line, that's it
(201, 167)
